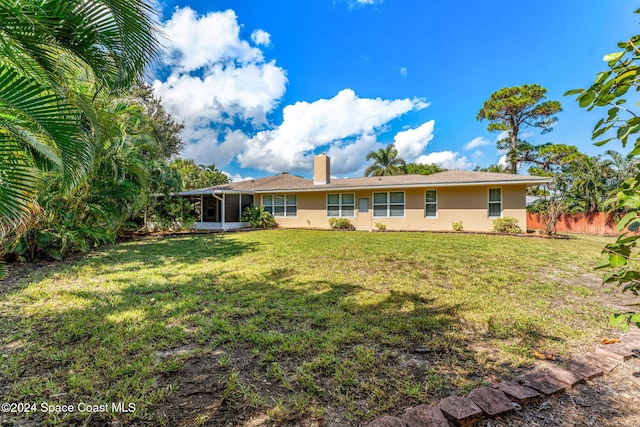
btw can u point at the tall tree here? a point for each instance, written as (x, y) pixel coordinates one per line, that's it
(624, 166)
(496, 168)
(385, 162)
(55, 56)
(154, 122)
(198, 176)
(593, 180)
(549, 159)
(512, 109)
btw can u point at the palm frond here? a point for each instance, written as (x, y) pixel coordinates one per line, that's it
(115, 39)
(52, 116)
(17, 182)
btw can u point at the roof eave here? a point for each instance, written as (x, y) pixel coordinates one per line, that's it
(398, 186)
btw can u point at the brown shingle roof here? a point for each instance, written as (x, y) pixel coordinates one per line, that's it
(288, 182)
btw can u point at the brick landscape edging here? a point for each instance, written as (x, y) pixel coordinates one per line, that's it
(501, 399)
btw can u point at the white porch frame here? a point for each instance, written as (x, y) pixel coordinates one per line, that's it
(223, 224)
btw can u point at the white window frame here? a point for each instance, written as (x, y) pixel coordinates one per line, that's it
(388, 204)
(340, 205)
(430, 203)
(490, 202)
(270, 207)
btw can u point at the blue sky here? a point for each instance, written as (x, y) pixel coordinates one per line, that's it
(264, 85)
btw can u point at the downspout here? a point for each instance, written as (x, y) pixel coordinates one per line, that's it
(221, 209)
(202, 208)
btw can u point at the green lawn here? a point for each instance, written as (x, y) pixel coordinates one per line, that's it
(292, 324)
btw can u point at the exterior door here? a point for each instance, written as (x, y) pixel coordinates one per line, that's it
(363, 217)
(211, 210)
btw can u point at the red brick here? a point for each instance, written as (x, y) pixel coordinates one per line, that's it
(425, 416)
(517, 392)
(584, 368)
(387, 421)
(601, 361)
(544, 382)
(561, 374)
(618, 351)
(460, 410)
(492, 401)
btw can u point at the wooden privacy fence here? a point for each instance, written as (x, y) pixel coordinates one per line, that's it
(582, 223)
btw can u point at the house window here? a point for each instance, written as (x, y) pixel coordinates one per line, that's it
(280, 205)
(341, 205)
(495, 202)
(388, 204)
(431, 204)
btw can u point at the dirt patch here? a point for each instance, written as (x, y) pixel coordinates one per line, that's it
(207, 390)
(609, 401)
(607, 295)
(199, 393)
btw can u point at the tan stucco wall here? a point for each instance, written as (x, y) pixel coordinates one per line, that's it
(466, 204)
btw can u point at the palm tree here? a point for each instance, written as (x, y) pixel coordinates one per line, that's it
(385, 162)
(592, 182)
(55, 57)
(625, 166)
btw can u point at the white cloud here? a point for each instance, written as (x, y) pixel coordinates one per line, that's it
(503, 161)
(196, 41)
(217, 83)
(477, 142)
(237, 177)
(359, 3)
(477, 154)
(403, 71)
(261, 37)
(214, 75)
(350, 157)
(307, 126)
(445, 159)
(411, 143)
(204, 145)
(223, 91)
(502, 135)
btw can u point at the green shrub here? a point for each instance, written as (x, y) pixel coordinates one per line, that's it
(258, 217)
(457, 225)
(173, 213)
(508, 224)
(340, 224)
(381, 226)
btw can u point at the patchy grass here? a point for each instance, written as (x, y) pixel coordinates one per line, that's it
(291, 324)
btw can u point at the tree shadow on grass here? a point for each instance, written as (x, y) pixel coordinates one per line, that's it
(223, 347)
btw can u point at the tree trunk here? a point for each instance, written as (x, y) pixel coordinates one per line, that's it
(514, 147)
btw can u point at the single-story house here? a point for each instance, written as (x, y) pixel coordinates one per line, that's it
(401, 202)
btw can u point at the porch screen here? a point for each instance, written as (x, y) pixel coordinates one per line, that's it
(247, 200)
(232, 208)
